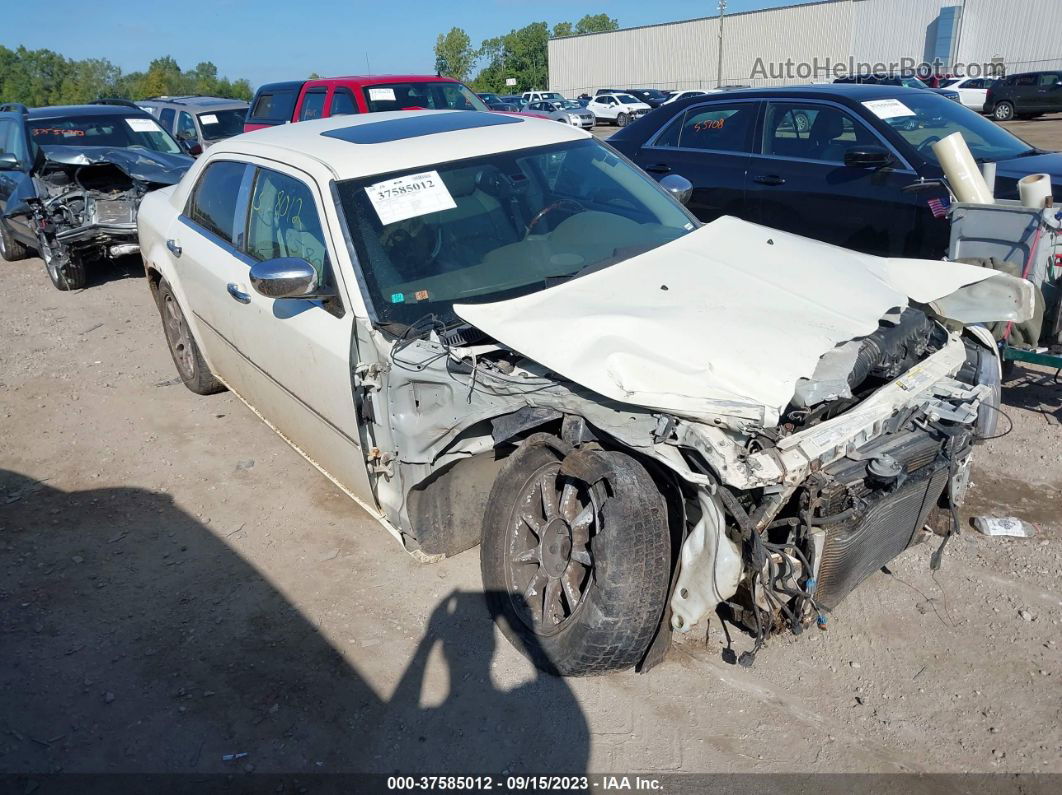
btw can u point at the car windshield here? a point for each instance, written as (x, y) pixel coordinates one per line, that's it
(569, 104)
(627, 99)
(500, 226)
(923, 118)
(111, 130)
(219, 124)
(430, 95)
(912, 82)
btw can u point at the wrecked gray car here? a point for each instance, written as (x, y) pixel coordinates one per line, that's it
(71, 180)
(533, 347)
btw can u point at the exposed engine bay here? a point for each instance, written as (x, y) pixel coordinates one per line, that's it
(87, 198)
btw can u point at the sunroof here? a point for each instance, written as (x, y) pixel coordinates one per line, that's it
(381, 132)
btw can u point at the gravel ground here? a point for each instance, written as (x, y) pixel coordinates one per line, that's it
(177, 584)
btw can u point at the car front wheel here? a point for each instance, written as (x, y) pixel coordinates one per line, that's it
(11, 250)
(1004, 111)
(66, 270)
(622, 120)
(575, 562)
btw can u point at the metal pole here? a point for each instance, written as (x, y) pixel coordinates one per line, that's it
(719, 70)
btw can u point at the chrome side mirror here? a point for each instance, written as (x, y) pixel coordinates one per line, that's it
(678, 186)
(285, 277)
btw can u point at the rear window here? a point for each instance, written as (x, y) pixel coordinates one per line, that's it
(213, 202)
(432, 96)
(274, 105)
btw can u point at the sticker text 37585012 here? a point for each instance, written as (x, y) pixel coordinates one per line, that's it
(410, 196)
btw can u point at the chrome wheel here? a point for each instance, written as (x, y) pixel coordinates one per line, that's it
(1004, 111)
(178, 337)
(549, 549)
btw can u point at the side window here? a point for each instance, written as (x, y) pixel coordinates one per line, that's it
(186, 127)
(214, 199)
(283, 222)
(313, 105)
(1049, 79)
(1025, 80)
(718, 127)
(974, 84)
(166, 119)
(811, 132)
(342, 103)
(8, 132)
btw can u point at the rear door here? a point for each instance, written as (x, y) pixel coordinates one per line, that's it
(312, 104)
(1026, 93)
(212, 274)
(798, 182)
(710, 145)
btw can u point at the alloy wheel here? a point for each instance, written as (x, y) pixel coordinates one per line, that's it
(178, 336)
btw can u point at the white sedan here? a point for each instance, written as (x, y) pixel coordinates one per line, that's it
(973, 91)
(620, 109)
(492, 329)
(676, 96)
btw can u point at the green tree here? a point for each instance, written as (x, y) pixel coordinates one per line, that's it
(163, 78)
(520, 54)
(562, 29)
(596, 23)
(454, 56)
(205, 79)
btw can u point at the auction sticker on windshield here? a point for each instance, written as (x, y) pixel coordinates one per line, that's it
(142, 125)
(382, 94)
(208, 118)
(888, 108)
(407, 197)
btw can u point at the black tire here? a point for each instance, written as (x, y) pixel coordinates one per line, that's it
(1003, 111)
(622, 120)
(66, 270)
(620, 595)
(184, 350)
(11, 250)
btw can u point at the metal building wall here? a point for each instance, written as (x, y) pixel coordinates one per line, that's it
(1027, 34)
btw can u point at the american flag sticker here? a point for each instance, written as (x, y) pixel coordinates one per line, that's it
(940, 206)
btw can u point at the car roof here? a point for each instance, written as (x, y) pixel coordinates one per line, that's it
(376, 143)
(59, 111)
(855, 92)
(194, 101)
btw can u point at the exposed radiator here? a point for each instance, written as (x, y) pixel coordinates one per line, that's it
(116, 212)
(856, 549)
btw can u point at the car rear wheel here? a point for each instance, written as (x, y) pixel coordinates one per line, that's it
(1004, 111)
(575, 567)
(188, 360)
(10, 249)
(66, 270)
(622, 120)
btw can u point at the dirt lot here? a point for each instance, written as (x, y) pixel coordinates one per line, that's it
(177, 584)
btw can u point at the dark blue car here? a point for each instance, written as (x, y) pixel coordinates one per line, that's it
(846, 164)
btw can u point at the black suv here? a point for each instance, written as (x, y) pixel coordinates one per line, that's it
(71, 180)
(1025, 95)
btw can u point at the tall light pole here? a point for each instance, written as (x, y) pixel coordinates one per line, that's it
(719, 72)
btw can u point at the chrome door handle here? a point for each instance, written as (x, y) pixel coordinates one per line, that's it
(173, 247)
(237, 293)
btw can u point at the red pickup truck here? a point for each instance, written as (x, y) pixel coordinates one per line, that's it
(302, 100)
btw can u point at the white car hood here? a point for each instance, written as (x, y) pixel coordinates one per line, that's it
(725, 320)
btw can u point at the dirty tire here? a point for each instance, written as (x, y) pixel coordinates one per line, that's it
(622, 120)
(625, 586)
(1003, 111)
(184, 350)
(66, 272)
(11, 250)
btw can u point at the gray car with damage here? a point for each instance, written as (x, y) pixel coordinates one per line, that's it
(530, 345)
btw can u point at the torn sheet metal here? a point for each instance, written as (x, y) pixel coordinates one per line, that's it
(721, 322)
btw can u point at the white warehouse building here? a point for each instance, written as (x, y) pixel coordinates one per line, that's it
(814, 42)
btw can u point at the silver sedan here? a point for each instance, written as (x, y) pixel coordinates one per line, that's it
(567, 111)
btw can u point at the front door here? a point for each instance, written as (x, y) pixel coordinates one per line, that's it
(299, 352)
(709, 145)
(1049, 92)
(798, 182)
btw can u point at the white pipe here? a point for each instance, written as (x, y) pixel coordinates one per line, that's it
(959, 167)
(1034, 190)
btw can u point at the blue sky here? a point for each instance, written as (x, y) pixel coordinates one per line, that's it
(269, 40)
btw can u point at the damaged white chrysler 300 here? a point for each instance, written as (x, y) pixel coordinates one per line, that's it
(493, 329)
